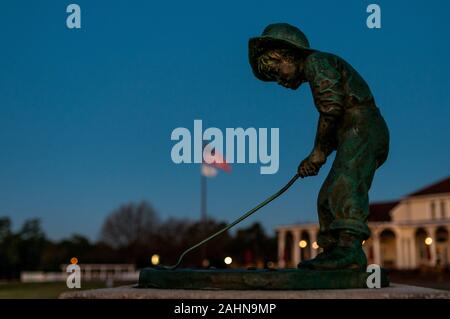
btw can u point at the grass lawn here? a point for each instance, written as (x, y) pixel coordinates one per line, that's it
(48, 290)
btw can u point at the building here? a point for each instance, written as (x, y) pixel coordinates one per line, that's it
(89, 272)
(410, 233)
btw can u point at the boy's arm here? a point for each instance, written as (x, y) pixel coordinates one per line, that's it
(325, 141)
(326, 86)
(323, 146)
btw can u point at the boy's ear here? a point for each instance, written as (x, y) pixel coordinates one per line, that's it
(277, 55)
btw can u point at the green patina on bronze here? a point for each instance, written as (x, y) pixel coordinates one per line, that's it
(231, 279)
(351, 124)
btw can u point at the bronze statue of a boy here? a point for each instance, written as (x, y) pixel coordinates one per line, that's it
(349, 122)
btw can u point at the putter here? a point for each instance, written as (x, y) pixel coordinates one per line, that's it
(237, 221)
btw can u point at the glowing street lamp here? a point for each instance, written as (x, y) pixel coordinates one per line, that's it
(205, 263)
(155, 259)
(302, 243)
(428, 241)
(228, 260)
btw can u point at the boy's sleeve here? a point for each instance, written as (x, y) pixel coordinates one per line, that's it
(326, 85)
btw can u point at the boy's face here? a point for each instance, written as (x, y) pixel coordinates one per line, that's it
(281, 69)
(287, 75)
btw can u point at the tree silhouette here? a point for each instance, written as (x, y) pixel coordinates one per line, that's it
(131, 224)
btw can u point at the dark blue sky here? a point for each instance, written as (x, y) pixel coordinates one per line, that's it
(86, 115)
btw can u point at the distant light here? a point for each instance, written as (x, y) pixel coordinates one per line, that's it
(315, 245)
(428, 241)
(363, 242)
(155, 259)
(302, 243)
(205, 263)
(228, 260)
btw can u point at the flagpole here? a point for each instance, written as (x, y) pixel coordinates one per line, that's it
(203, 211)
(203, 198)
(208, 169)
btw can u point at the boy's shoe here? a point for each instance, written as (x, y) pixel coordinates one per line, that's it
(348, 254)
(306, 263)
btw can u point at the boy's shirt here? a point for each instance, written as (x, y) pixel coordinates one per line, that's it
(336, 86)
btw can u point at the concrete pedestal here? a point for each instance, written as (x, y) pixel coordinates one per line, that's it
(395, 291)
(261, 279)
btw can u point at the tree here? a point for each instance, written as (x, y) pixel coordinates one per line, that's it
(59, 253)
(130, 224)
(31, 230)
(22, 250)
(252, 247)
(177, 235)
(6, 258)
(5, 228)
(32, 243)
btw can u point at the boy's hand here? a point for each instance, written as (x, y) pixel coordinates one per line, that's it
(310, 166)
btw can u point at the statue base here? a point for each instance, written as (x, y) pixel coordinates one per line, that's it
(241, 279)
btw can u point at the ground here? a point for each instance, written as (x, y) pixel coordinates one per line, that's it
(50, 290)
(16, 290)
(434, 280)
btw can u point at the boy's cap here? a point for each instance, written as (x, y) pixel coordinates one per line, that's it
(277, 35)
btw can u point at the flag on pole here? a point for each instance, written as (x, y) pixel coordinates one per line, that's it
(208, 170)
(213, 160)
